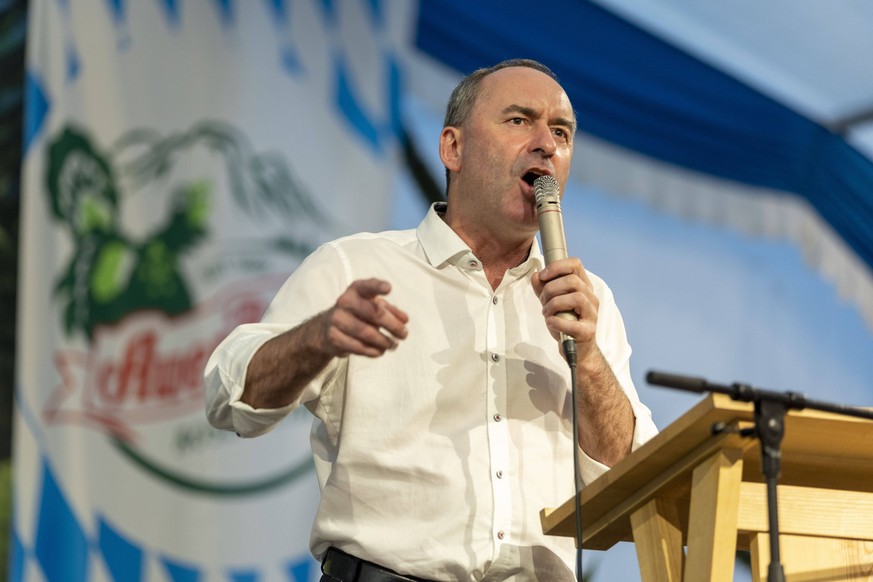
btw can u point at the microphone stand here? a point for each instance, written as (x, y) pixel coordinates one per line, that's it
(770, 409)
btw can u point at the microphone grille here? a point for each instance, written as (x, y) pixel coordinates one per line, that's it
(545, 186)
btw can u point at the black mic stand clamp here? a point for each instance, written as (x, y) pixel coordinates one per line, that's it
(769, 429)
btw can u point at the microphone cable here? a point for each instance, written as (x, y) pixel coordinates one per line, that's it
(568, 346)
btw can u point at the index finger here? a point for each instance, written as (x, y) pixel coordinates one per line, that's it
(398, 313)
(390, 318)
(370, 288)
(562, 267)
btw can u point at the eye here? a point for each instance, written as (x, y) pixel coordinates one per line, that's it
(563, 134)
(516, 120)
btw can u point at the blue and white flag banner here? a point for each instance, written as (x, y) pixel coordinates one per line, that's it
(181, 158)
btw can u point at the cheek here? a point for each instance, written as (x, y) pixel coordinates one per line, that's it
(491, 165)
(562, 167)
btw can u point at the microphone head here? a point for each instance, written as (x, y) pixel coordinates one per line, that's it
(545, 186)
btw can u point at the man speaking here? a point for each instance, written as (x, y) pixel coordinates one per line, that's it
(429, 359)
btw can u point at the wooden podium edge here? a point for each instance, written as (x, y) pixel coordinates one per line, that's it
(659, 464)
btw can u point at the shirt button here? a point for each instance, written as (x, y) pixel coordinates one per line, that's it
(494, 300)
(473, 264)
(500, 535)
(499, 474)
(497, 418)
(495, 358)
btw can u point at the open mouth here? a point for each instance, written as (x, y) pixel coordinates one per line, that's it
(531, 176)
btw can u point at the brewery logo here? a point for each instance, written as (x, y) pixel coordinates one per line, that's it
(138, 335)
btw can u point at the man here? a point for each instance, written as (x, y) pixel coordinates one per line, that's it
(442, 403)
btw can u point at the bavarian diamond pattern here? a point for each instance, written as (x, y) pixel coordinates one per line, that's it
(64, 551)
(61, 545)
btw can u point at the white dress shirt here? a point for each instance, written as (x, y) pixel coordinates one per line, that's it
(436, 458)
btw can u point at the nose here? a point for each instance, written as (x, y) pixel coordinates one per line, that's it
(543, 140)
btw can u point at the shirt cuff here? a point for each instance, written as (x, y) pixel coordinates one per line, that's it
(225, 382)
(251, 422)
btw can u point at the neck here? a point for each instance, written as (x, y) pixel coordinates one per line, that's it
(496, 266)
(497, 252)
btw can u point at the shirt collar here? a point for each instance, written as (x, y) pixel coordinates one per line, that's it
(442, 245)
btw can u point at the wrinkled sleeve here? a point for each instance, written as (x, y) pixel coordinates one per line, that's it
(612, 340)
(312, 288)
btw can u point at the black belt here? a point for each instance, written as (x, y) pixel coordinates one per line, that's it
(346, 568)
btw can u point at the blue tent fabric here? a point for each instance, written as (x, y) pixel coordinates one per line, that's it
(636, 90)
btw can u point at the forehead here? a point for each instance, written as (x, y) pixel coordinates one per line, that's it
(524, 86)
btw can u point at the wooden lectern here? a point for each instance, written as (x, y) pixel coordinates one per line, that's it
(687, 487)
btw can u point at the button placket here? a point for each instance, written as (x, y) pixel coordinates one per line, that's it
(499, 438)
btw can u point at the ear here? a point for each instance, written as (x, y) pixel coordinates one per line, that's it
(450, 148)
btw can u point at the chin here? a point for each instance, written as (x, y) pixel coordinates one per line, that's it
(529, 215)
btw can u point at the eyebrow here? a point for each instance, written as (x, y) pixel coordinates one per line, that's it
(530, 112)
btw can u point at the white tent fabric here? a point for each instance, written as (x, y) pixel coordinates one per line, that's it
(750, 210)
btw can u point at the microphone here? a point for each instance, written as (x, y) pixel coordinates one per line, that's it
(548, 201)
